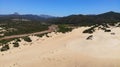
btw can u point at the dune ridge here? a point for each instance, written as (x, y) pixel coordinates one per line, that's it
(66, 50)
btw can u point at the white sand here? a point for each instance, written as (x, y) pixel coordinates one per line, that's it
(66, 50)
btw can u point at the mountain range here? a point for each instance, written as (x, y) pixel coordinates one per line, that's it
(86, 20)
(82, 20)
(41, 17)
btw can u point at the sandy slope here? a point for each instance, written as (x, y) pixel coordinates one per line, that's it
(66, 50)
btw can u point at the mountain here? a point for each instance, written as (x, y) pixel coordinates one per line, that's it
(88, 20)
(81, 20)
(110, 16)
(26, 16)
(46, 16)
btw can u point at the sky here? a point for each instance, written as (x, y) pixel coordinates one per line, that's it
(58, 7)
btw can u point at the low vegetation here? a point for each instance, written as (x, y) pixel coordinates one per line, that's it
(5, 48)
(16, 44)
(104, 27)
(27, 39)
(3, 42)
(22, 27)
(64, 28)
(41, 35)
(5, 45)
(89, 37)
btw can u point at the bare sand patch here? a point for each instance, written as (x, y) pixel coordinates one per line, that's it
(66, 50)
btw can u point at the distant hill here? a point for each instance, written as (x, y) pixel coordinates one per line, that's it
(26, 16)
(46, 16)
(88, 20)
(81, 20)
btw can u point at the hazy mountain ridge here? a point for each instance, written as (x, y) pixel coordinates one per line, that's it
(26, 16)
(82, 20)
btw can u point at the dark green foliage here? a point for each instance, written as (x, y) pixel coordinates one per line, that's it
(27, 39)
(26, 27)
(5, 48)
(90, 30)
(105, 29)
(22, 27)
(18, 40)
(5, 41)
(89, 20)
(40, 35)
(16, 44)
(63, 28)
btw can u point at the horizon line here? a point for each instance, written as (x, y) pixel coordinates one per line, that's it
(57, 15)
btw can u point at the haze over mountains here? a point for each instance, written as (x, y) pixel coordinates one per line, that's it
(26, 16)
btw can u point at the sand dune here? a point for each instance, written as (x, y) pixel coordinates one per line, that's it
(66, 50)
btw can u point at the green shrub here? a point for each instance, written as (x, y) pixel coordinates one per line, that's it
(16, 44)
(18, 40)
(90, 31)
(89, 37)
(64, 28)
(40, 35)
(27, 39)
(5, 41)
(2, 42)
(5, 48)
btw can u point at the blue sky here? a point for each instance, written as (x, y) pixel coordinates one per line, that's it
(58, 7)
